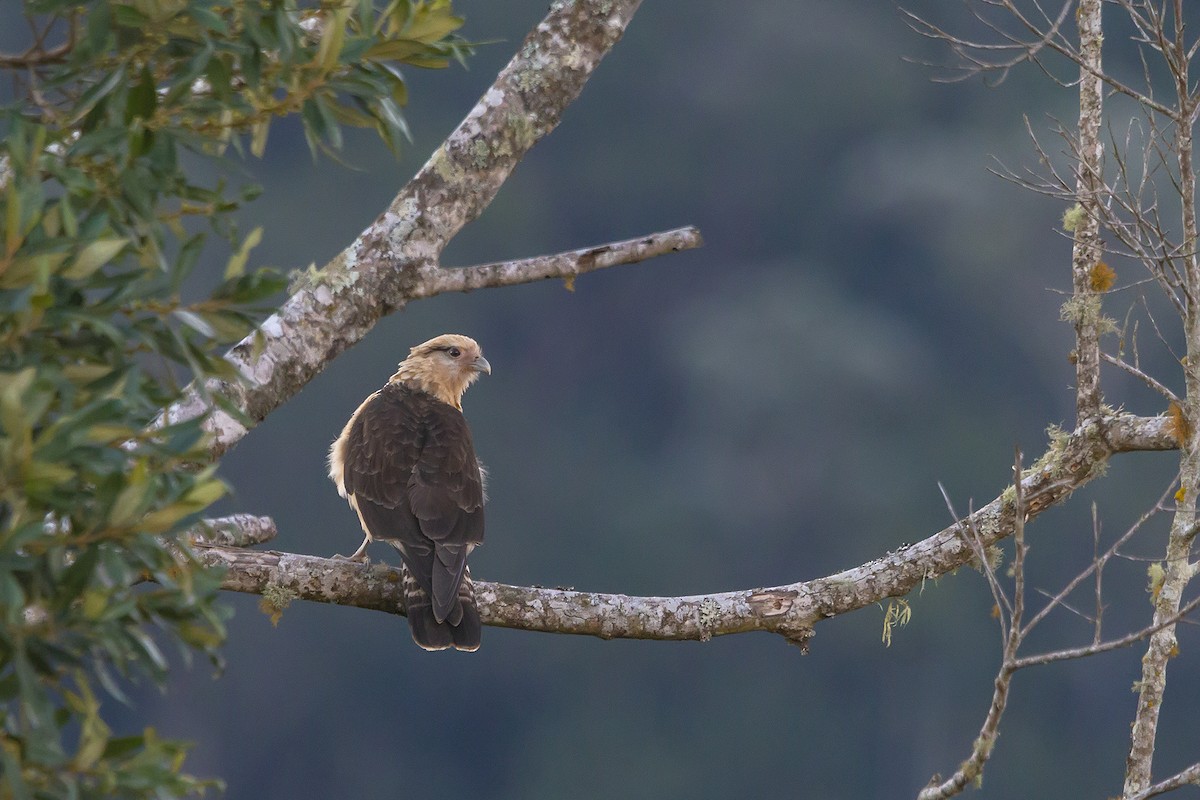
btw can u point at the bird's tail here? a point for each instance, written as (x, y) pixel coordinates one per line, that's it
(461, 630)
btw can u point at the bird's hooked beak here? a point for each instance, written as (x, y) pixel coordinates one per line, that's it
(480, 364)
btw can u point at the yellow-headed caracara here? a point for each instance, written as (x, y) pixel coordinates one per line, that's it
(406, 464)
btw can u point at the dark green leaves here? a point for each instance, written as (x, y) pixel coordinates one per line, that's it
(114, 293)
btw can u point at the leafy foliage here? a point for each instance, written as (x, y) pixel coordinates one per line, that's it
(103, 224)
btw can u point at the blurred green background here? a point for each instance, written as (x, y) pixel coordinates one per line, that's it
(872, 313)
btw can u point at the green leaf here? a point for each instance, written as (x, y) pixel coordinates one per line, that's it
(196, 322)
(252, 288)
(11, 594)
(227, 327)
(395, 50)
(12, 217)
(38, 712)
(97, 92)
(143, 99)
(433, 22)
(258, 136)
(428, 62)
(93, 256)
(129, 17)
(77, 576)
(334, 33)
(237, 262)
(123, 746)
(148, 648)
(11, 774)
(209, 19)
(130, 502)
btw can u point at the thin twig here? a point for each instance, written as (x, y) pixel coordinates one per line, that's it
(1150, 381)
(972, 768)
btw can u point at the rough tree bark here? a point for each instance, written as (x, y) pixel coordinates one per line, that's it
(1086, 251)
(1178, 570)
(791, 610)
(397, 257)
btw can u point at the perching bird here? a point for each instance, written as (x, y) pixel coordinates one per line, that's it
(406, 464)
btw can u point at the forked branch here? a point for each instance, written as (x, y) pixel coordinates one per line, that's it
(397, 257)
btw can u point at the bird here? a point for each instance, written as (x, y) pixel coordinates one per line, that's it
(406, 464)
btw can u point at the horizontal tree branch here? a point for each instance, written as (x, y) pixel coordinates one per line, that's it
(389, 262)
(791, 610)
(437, 280)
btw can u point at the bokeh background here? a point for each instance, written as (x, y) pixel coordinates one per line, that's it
(873, 313)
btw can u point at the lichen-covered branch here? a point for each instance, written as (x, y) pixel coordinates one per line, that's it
(1085, 254)
(1177, 571)
(790, 610)
(566, 265)
(387, 264)
(237, 530)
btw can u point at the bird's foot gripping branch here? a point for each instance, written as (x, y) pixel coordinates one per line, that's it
(791, 610)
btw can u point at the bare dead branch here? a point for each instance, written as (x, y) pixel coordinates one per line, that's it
(1113, 644)
(982, 557)
(1099, 561)
(1189, 776)
(978, 57)
(981, 750)
(1150, 381)
(37, 54)
(566, 265)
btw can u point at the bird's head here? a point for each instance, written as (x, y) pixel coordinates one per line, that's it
(444, 366)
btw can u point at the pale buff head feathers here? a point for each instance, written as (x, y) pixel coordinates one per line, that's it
(444, 367)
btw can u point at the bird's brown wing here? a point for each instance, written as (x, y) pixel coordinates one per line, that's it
(410, 465)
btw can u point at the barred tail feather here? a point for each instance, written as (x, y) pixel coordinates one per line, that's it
(469, 631)
(462, 629)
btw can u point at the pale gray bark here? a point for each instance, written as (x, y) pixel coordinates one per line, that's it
(1086, 252)
(1178, 571)
(397, 257)
(1187, 777)
(568, 265)
(791, 610)
(237, 530)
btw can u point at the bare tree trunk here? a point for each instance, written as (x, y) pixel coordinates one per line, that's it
(1178, 572)
(1085, 254)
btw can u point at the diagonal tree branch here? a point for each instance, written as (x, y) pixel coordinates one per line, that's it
(1189, 776)
(791, 610)
(393, 259)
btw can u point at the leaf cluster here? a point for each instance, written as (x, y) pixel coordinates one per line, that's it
(118, 139)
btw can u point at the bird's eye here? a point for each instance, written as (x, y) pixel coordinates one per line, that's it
(454, 352)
